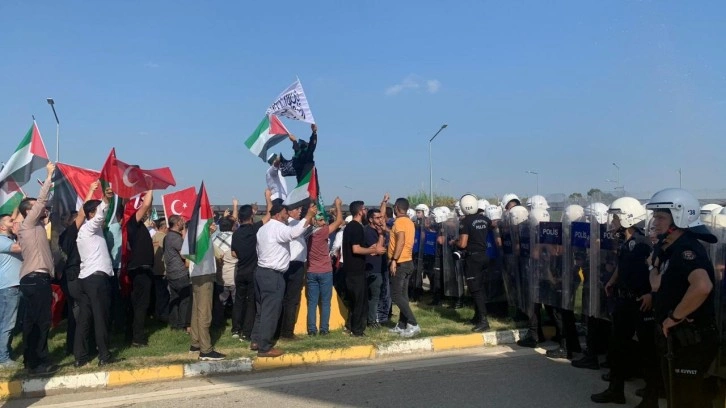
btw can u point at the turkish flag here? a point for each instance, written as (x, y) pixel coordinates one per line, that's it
(179, 203)
(128, 180)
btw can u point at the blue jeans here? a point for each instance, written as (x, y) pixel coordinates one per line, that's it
(320, 290)
(9, 299)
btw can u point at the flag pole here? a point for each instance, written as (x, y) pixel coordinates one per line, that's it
(51, 102)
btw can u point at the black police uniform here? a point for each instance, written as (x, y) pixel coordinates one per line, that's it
(476, 226)
(694, 342)
(633, 282)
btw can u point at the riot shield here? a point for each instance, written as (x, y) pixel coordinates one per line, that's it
(577, 281)
(603, 263)
(547, 260)
(716, 223)
(528, 277)
(453, 274)
(415, 283)
(510, 257)
(494, 285)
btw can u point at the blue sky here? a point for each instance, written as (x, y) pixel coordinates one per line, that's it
(562, 88)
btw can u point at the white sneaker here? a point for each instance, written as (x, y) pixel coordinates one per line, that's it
(411, 331)
(398, 330)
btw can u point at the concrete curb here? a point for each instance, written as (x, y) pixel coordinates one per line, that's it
(40, 386)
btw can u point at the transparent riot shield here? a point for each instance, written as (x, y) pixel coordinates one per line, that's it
(603, 263)
(549, 237)
(510, 263)
(453, 274)
(529, 277)
(415, 283)
(577, 282)
(427, 257)
(716, 223)
(494, 285)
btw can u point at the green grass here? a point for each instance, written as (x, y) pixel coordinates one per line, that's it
(168, 346)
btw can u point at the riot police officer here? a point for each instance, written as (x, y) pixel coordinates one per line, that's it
(630, 286)
(683, 277)
(473, 231)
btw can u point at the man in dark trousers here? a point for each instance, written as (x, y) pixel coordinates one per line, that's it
(141, 262)
(244, 248)
(354, 252)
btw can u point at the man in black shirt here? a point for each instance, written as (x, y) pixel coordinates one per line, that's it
(683, 278)
(473, 230)
(632, 314)
(354, 253)
(244, 248)
(140, 264)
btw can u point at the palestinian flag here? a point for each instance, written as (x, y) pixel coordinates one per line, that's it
(197, 246)
(269, 133)
(70, 187)
(29, 156)
(306, 190)
(10, 196)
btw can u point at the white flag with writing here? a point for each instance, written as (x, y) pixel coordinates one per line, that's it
(292, 104)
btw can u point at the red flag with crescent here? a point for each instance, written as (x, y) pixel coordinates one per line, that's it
(128, 180)
(179, 203)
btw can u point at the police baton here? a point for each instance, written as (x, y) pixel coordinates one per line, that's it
(669, 359)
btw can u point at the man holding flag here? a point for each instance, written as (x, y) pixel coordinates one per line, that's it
(197, 247)
(35, 276)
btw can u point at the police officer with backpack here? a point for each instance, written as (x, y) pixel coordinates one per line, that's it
(683, 277)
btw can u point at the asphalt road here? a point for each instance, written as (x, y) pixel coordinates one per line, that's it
(492, 377)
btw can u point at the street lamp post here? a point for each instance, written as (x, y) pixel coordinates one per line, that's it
(617, 178)
(536, 174)
(51, 102)
(680, 178)
(431, 168)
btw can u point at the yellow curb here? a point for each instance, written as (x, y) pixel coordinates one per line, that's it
(457, 342)
(313, 357)
(116, 378)
(10, 389)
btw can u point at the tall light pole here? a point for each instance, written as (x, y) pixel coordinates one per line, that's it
(617, 178)
(51, 102)
(431, 168)
(536, 174)
(680, 178)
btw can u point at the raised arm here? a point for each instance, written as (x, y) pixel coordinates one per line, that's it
(297, 230)
(313, 138)
(81, 216)
(268, 202)
(384, 206)
(338, 215)
(33, 215)
(96, 223)
(235, 209)
(145, 206)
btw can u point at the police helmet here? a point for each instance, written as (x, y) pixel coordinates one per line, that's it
(629, 211)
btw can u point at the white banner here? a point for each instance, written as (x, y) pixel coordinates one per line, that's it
(292, 104)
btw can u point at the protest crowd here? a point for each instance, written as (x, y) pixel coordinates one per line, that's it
(597, 270)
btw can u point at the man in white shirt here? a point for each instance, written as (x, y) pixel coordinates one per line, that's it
(293, 277)
(95, 279)
(275, 182)
(273, 259)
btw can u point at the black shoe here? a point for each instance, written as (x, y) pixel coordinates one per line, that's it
(324, 332)
(211, 356)
(80, 363)
(44, 369)
(107, 361)
(374, 325)
(312, 333)
(459, 304)
(358, 335)
(481, 327)
(608, 396)
(588, 361)
(193, 349)
(434, 302)
(527, 342)
(559, 353)
(139, 345)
